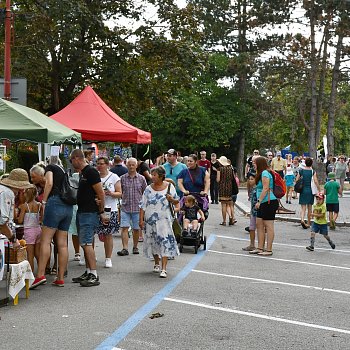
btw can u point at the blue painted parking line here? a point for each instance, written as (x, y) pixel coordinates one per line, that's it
(119, 334)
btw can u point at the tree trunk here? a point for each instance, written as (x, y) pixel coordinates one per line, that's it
(332, 98)
(322, 79)
(242, 80)
(240, 157)
(313, 78)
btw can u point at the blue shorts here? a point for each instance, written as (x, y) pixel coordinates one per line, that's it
(129, 219)
(320, 228)
(333, 207)
(57, 214)
(86, 225)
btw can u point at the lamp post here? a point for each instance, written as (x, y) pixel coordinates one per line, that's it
(7, 63)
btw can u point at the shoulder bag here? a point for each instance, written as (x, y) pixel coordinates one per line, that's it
(176, 226)
(298, 186)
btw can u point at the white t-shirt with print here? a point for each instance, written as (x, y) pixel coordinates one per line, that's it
(108, 182)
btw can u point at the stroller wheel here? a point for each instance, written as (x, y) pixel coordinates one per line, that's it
(181, 248)
(196, 248)
(205, 243)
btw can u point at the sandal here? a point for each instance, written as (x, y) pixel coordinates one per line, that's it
(266, 253)
(248, 249)
(223, 223)
(256, 251)
(304, 225)
(53, 271)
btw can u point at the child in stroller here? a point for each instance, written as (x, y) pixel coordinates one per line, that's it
(190, 211)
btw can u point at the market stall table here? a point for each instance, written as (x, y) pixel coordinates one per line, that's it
(21, 276)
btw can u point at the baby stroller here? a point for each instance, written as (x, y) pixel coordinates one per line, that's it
(195, 238)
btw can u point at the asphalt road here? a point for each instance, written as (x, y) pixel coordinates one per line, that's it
(223, 298)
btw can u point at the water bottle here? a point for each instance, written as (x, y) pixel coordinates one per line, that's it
(108, 213)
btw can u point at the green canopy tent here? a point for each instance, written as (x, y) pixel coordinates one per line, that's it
(20, 123)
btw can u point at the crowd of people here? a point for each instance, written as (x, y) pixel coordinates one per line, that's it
(297, 172)
(138, 197)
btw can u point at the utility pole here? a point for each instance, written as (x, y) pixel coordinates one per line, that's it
(7, 63)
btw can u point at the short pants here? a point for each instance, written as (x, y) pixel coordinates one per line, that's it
(319, 228)
(130, 219)
(86, 224)
(267, 211)
(57, 214)
(32, 235)
(333, 207)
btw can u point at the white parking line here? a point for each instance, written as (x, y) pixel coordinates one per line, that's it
(337, 251)
(284, 260)
(266, 317)
(274, 282)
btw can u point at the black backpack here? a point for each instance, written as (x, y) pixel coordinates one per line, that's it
(69, 190)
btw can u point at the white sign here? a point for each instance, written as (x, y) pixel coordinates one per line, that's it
(55, 151)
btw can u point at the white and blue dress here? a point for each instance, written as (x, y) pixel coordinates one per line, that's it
(159, 237)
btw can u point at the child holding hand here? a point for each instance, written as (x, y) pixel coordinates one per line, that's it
(320, 222)
(30, 215)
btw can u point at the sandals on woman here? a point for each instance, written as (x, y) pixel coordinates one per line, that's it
(304, 225)
(265, 253)
(256, 251)
(223, 223)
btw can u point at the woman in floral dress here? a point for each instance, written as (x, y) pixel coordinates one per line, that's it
(155, 217)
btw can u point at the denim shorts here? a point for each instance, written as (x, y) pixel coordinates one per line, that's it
(57, 214)
(320, 228)
(130, 219)
(86, 225)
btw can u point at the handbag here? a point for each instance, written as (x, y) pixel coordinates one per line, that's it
(298, 186)
(176, 225)
(314, 188)
(234, 184)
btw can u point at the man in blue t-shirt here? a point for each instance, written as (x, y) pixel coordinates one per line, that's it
(173, 168)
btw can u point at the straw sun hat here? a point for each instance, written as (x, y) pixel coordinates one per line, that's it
(223, 161)
(18, 178)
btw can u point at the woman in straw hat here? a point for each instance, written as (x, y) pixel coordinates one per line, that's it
(225, 177)
(17, 180)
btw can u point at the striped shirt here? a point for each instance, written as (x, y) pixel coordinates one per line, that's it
(132, 190)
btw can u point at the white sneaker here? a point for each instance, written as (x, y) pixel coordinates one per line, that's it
(82, 261)
(108, 262)
(163, 274)
(76, 257)
(156, 268)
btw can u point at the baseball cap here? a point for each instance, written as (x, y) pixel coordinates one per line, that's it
(320, 195)
(171, 151)
(278, 153)
(331, 175)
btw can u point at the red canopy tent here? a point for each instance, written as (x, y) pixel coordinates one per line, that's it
(90, 116)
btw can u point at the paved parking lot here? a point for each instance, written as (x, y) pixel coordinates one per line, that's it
(223, 298)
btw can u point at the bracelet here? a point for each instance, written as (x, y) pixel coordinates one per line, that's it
(43, 202)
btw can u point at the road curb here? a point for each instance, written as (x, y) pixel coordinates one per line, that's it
(246, 212)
